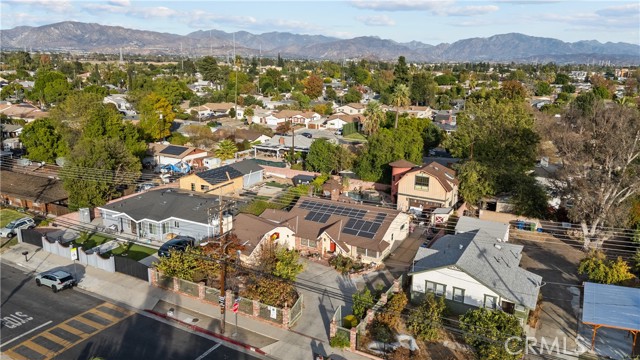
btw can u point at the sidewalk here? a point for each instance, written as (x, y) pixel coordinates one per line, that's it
(129, 291)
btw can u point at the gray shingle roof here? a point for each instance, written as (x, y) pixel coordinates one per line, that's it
(491, 228)
(159, 205)
(247, 166)
(492, 263)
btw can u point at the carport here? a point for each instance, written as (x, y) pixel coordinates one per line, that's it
(611, 306)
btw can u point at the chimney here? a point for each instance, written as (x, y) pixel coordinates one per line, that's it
(281, 141)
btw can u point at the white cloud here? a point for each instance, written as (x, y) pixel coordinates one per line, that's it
(50, 5)
(468, 10)
(622, 10)
(376, 20)
(401, 5)
(123, 3)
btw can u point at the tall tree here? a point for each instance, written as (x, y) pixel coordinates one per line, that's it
(321, 157)
(399, 99)
(208, 68)
(313, 86)
(156, 116)
(401, 73)
(50, 87)
(95, 168)
(600, 150)
(44, 141)
(373, 116)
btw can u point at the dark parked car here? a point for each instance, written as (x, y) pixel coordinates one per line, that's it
(178, 243)
(307, 135)
(56, 280)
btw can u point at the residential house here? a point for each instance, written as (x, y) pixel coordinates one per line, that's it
(446, 120)
(278, 145)
(163, 154)
(33, 193)
(337, 121)
(474, 270)
(296, 117)
(351, 108)
(420, 112)
(121, 103)
(415, 188)
(163, 214)
(254, 233)
(11, 136)
(260, 117)
(363, 232)
(214, 110)
(224, 180)
(494, 229)
(251, 136)
(22, 111)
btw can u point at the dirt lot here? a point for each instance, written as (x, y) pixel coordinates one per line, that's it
(557, 263)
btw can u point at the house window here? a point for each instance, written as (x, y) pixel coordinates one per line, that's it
(458, 295)
(165, 228)
(520, 308)
(176, 224)
(309, 243)
(422, 182)
(193, 187)
(153, 229)
(204, 187)
(436, 288)
(490, 301)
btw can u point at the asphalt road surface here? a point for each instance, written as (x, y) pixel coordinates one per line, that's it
(39, 324)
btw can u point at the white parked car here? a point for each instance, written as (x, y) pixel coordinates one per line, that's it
(56, 280)
(11, 228)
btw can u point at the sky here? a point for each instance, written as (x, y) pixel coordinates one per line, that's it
(430, 22)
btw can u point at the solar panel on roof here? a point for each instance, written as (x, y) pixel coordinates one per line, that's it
(358, 224)
(350, 223)
(310, 215)
(366, 234)
(350, 231)
(173, 150)
(323, 218)
(374, 228)
(366, 226)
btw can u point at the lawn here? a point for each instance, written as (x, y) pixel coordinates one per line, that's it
(132, 251)
(277, 184)
(8, 215)
(356, 136)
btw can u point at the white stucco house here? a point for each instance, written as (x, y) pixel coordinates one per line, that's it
(474, 269)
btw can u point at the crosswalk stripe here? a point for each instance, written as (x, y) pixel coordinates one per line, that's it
(35, 347)
(66, 326)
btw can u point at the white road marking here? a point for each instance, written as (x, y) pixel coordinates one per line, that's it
(208, 351)
(27, 333)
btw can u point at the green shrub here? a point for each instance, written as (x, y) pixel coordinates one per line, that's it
(349, 321)
(340, 341)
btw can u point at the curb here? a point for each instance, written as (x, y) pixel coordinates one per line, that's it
(207, 332)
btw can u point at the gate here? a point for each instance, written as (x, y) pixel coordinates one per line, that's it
(296, 311)
(30, 236)
(131, 267)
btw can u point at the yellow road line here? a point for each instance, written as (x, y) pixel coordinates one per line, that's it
(49, 354)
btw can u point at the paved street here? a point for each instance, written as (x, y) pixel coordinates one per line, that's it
(39, 324)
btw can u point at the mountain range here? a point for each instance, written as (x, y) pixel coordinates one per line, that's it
(513, 47)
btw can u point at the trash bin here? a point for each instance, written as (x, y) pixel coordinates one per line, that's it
(520, 225)
(533, 226)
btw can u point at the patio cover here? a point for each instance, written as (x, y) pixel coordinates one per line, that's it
(611, 306)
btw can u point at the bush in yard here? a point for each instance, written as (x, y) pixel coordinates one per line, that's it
(349, 321)
(425, 322)
(602, 270)
(380, 331)
(393, 310)
(362, 301)
(490, 332)
(344, 264)
(340, 341)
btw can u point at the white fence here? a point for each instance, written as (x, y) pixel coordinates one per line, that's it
(93, 258)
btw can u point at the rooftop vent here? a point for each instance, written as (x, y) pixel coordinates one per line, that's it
(461, 246)
(498, 247)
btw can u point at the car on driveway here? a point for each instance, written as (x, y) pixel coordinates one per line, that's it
(56, 280)
(307, 135)
(178, 243)
(12, 227)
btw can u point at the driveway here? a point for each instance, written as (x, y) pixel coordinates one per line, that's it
(324, 289)
(557, 263)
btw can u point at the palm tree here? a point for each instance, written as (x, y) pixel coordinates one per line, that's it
(400, 98)
(226, 150)
(373, 117)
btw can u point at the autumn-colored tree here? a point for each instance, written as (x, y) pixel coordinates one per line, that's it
(156, 116)
(313, 86)
(602, 270)
(513, 90)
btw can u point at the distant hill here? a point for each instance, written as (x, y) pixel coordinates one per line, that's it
(78, 36)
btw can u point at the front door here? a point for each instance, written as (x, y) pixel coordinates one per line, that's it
(134, 227)
(508, 307)
(332, 246)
